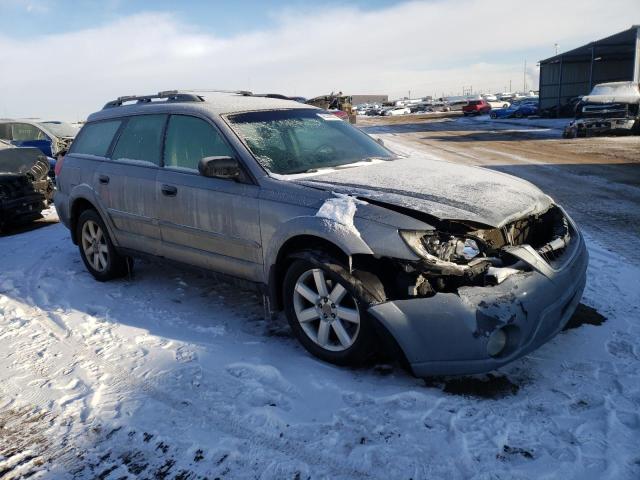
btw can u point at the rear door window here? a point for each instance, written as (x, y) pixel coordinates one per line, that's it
(95, 138)
(141, 139)
(190, 139)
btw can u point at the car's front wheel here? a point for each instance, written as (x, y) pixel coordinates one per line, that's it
(96, 249)
(327, 310)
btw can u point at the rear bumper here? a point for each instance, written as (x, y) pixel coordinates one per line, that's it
(61, 202)
(447, 334)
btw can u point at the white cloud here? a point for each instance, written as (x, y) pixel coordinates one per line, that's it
(427, 48)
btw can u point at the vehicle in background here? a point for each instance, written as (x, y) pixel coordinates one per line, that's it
(610, 108)
(364, 250)
(374, 112)
(25, 188)
(476, 107)
(53, 138)
(516, 110)
(456, 104)
(393, 111)
(337, 103)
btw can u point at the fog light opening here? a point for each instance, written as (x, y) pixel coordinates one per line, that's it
(497, 342)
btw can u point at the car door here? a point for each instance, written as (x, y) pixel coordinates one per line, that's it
(127, 183)
(208, 222)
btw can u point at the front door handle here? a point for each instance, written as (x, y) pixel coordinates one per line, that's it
(169, 190)
(104, 179)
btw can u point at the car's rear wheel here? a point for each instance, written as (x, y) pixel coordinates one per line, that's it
(518, 114)
(96, 249)
(327, 311)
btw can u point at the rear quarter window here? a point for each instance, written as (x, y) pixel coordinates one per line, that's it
(95, 138)
(141, 139)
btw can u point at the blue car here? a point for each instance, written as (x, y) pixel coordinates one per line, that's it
(519, 110)
(50, 137)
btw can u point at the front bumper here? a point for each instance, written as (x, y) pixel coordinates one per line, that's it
(25, 207)
(447, 334)
(602, 126)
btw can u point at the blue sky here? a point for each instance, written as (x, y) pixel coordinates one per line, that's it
(26, 17)
(66, 58)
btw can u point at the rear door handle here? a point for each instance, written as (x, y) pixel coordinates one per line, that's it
(169, 190)
(103, 179)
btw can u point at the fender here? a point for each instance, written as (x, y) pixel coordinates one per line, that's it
(85, 192)
(330, 230)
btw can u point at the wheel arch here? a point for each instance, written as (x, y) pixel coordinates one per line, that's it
(286, 256)
(78, 206)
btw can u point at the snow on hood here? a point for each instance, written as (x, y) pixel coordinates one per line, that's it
(614, 92)
(443, 189)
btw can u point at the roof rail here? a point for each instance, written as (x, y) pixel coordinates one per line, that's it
(169, 95)
(245, 93)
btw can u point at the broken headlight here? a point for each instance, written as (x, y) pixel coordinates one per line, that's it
(441, 246)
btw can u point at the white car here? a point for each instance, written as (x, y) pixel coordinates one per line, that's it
(499, 104)
(397, 111)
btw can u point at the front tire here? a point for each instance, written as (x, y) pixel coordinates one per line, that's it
(96, 249)
(327, 310)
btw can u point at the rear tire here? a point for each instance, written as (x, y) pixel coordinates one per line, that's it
(326, 308)
(97, 250)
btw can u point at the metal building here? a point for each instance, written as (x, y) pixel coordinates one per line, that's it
(360, 99)
(574, 73)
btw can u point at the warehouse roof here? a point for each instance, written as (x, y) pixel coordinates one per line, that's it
(622, 43)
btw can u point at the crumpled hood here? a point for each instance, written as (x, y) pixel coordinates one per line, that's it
(442, 189)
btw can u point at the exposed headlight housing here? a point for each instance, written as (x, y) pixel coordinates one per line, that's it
(438, 246)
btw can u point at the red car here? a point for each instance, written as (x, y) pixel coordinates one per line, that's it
(476, 107)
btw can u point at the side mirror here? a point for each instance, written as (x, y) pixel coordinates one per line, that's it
(226, 168)
(380, 141)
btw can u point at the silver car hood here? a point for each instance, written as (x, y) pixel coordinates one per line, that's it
(445, 190)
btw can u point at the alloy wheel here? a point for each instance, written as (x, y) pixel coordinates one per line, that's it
(94, 246)
(326, 311)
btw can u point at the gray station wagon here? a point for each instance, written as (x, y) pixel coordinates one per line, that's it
(457, 269)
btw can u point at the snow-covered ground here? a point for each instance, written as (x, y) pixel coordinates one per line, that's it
(172, 375)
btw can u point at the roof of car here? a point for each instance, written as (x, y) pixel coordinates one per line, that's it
(210, 104)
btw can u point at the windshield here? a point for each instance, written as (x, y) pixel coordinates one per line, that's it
(300, 140)
(61, 129)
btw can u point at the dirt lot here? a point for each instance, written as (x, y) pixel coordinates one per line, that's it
(596, 179)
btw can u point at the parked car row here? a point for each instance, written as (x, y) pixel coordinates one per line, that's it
(474, 106)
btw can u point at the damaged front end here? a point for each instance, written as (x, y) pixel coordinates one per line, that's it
(479, 297)
(461, 254)
(25, 188)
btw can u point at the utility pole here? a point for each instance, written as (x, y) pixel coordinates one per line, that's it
(509, 86)
(556, 45)
(524, 77)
